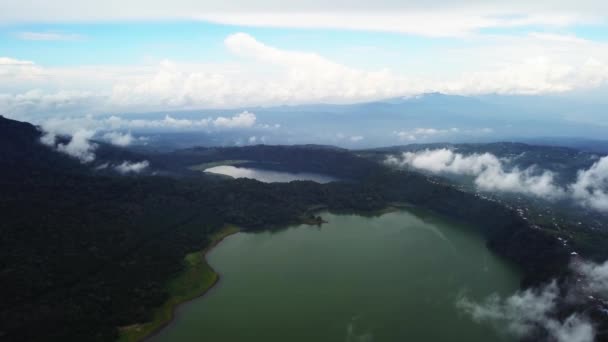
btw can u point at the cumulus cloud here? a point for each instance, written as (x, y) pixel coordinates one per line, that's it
(490, 173)
(268, 75)
(81, 130)
(48, 139)
(16, 70)
(114, 123)
(32, 104)
(279, 77)
(132, 167)
(79, 146)
(593, 277)
(591, 186)
(541, 309)
(241, 120)
(119, 139)
(525, 312)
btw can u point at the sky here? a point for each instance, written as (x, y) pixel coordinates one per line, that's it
(89, 57)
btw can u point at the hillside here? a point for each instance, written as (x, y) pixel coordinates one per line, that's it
(111, 244)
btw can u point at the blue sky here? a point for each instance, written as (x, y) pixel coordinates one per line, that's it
(196, 41)
(114, 56)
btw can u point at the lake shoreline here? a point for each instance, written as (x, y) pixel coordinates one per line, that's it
(220, 236)
(205, 313)
(312, 218)
(158, 326)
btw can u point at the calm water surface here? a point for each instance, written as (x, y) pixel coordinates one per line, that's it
(268, 176)
(390, 278)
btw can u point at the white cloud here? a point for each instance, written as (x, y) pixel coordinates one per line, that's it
(241, 120)
(114, 123)
(35, 103)
(169, 122)
(428, 18)
(276, 76)
(423, 22)
(591, 186)
(49, 36)
(405, 136)
(356, 138)
(79, 146)
(489, 172)
(119, 139)
(523, 313)
(593, 277)
(423, 133)
(70, 125)
(267, 75)
(11, 61)
(132, 167)
(15, 70)
(48, 139)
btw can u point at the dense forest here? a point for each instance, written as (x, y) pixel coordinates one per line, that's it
(83, 253)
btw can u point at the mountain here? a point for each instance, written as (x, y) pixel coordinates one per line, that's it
(433, 117)
(22, 154)
(84, 254)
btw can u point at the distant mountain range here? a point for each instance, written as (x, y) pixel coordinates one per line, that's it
(432, 117)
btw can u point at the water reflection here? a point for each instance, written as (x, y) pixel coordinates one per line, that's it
(268, 176)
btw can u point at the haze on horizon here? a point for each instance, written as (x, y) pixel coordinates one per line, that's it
(545, 63)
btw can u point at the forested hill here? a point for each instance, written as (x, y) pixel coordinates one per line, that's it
(83, 253)
(22, 154)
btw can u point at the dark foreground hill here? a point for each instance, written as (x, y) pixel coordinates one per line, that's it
(83, 253)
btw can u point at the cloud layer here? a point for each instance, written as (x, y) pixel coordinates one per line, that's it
(537, 310)
(267, 75)
(524, 313)
(591, 186)
(132, 167)
(491, 174)
(81, 131)
(438, 18)
(79, 146)
(489, 171)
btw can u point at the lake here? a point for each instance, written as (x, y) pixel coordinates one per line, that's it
(268, 176)
(394, 277)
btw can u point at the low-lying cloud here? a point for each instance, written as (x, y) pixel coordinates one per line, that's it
(591, 186)
(528, 313)
(491, 174)
(131, 167)
(79, 146)
(489, 171)
(69, 125)
(119, 139)
(242, 120)
(82, 130)
(535, 311)
(422, 133)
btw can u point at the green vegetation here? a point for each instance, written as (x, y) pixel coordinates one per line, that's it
(83, 253)
(196, 278)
